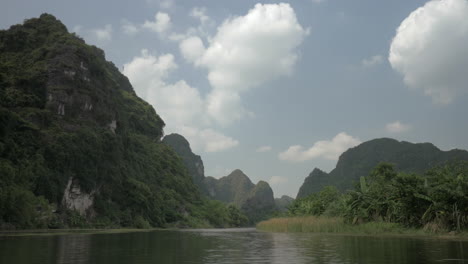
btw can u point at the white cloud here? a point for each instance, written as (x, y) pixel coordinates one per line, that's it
(180, 105)
(275, 180)
(147, 72)
(102, 34)
(397, 127)
(200, 13)
(429, 49)
(192, 48)
(372, 61)
(264, 149)
(327, 149)
(129, 28)
(207, 139)
(248, 51)
(161, 23)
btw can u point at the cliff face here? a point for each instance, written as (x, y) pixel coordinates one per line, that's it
(360, 160)
(192, 162)
(74, 135)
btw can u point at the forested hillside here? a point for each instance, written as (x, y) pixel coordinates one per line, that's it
(360, 160)
(78, 147)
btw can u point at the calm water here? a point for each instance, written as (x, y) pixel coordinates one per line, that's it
(227, 246)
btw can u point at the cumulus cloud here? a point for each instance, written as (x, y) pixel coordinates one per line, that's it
(326, 149)
(397, 127)
(161, 23)
(248, 51)
(200, 13)
(192, 48)
(179, 104)
(264, 149)
(429, 49)
(129, 28)
(275, 180)
(372, 61)
(103, 34)
(207, 139)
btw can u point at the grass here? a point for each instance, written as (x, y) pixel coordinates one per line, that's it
(322, 224)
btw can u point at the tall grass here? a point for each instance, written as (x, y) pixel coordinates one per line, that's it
(322, 224)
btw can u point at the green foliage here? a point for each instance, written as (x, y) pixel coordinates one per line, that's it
(361, 160)
(217, 214)
(140, 223)
(436, 201)
(315, 204)
(135, 179)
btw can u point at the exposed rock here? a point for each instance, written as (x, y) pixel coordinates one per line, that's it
(75, 199)
(113, 126)
(192, 162)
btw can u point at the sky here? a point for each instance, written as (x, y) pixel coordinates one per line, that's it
(278, 88)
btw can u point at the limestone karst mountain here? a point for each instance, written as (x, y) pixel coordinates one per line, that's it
(360, 160)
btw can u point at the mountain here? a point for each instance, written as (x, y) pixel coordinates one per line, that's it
(255, 201)
(192, 162)
(259, 203)
(360, 160)
(234, 188)
(77, 145)
(283, 203)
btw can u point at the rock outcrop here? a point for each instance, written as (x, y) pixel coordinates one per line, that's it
(192, 162)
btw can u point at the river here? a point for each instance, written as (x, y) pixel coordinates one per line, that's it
(227, 246)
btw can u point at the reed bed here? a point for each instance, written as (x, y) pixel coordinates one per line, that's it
(322, 224)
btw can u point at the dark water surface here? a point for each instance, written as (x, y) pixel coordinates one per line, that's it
(227, 246)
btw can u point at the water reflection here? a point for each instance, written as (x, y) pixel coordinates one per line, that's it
(228, 246)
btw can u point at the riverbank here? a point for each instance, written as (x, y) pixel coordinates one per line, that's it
(321, 224)
(52, 232)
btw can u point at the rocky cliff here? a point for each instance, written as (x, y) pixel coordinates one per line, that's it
(192, 162)
(75, 137)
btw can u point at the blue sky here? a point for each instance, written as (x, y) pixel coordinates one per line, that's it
(278, 88)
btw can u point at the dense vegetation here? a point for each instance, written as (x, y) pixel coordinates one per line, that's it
(360, 160)
(69, 116)
(436, 201)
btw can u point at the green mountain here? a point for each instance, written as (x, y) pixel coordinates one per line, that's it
(77, 145)
(360, 160)
(283, 203)
(234, 188)
(192, 162)
(255, 201)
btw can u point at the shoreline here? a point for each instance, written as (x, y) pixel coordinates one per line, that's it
(72, 231)
(335, 226)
